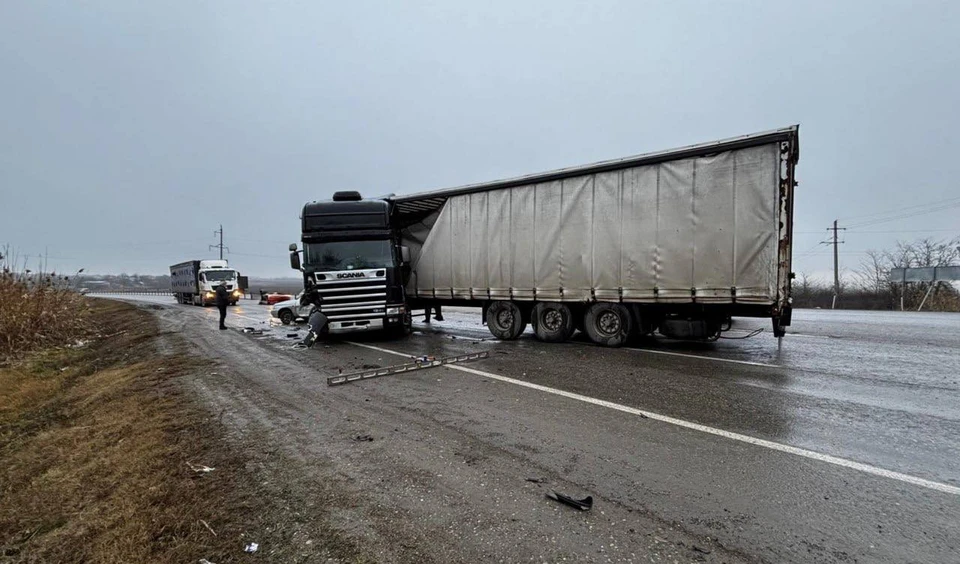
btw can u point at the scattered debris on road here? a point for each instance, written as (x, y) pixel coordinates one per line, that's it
(536, 480)
(582, 504)
(209, 528)
(200, 468)
(252, 547)
(363, 438)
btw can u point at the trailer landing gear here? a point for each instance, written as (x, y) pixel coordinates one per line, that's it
(782, 321)
(779, 328)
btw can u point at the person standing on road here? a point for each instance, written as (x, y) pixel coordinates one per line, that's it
(223, 300)
(426, 314)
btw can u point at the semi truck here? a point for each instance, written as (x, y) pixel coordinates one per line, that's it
(195, 281)
(351, 253)
(675, 243)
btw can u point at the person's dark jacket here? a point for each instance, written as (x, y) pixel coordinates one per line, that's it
(223, 296)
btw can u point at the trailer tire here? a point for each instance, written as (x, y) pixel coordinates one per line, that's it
(552, 322)
(608, 324)
(504, 320)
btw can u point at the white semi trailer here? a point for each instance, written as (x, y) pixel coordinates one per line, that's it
(195, 281)
(675, 242)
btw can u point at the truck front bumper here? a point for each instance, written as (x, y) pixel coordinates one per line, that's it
(359, 325)
(341, 326)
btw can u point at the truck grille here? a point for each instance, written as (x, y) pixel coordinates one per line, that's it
(353, 299)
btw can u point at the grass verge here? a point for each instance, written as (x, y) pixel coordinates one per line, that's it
(94, 444)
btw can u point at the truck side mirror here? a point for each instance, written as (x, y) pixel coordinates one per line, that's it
(243, 282)
(405, 254)
(293, 247)
(295, 260)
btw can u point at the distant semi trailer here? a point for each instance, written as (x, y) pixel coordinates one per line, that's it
(195, 281)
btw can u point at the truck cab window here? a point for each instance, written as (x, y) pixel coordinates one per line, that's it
(349, 255)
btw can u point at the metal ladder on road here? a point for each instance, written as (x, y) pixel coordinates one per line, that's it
(420, 364)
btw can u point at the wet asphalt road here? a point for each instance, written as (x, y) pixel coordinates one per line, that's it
(878, 389)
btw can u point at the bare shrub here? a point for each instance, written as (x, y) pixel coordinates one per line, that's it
(37, 309)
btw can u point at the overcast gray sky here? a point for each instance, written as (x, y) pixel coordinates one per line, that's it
(131, 130)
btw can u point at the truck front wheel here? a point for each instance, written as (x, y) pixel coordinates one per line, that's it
(607, 324)
(504, 320)
(552, 322)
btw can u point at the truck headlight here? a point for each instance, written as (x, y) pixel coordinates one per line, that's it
(209, 294)
(236, 293)
(395, 310)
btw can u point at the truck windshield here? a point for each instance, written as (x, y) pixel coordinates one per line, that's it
(348, 255)
(219, 275)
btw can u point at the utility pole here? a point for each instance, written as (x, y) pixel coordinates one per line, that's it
(836, 263)
(220, 246)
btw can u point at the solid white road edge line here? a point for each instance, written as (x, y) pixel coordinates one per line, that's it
(747, 362)
(859, 466)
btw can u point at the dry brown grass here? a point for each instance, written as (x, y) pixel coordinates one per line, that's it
(94, 443)
(37, 310)
(94, 446)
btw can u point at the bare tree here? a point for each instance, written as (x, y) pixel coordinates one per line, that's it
(869, 286)
(874, 272)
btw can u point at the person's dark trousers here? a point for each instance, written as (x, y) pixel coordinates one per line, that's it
(223, 315)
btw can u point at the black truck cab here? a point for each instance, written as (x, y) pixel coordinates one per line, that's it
(352, 256)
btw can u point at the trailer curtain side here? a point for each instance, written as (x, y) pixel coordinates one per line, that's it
(703, 229)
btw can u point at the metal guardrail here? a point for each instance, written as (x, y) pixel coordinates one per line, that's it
(131, 292)
(127, 292)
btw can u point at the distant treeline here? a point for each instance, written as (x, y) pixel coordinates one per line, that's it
(870, 287)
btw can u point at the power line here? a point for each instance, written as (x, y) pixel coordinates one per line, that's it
(261, 241)
(813, 248)
(278, 255)
(905, 231)
(935, 208)
(902, 209)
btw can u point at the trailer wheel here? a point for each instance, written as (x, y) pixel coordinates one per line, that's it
(552, 322)
(607, 324)
(504, 320)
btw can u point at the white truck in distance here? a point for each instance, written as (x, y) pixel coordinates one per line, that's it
(195, 281)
